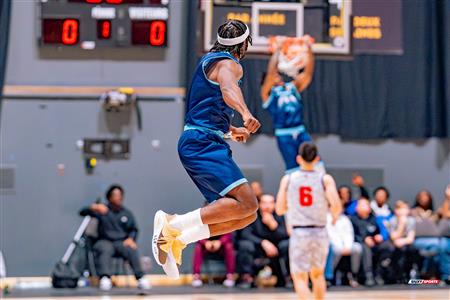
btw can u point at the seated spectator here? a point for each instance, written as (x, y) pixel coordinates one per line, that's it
(342, 240)
(266, 237)
(427, 232)
(345, 194)
(444, 226)
(381, 210)
(222, 245)
(367, 233)
(117, 233)
(348, 203)
(402, 233)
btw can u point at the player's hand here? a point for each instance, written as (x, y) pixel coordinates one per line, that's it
(130, 243)
(100, 208)
(357, 180)
(240, 134)
(269, 248)
(251, 123)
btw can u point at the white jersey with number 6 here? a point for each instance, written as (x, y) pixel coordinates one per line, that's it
(306, 201)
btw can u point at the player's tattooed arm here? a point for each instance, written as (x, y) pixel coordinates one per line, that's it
(281, 204)
(269, 80)
(303, 79)
(228, 75)
(332, 197)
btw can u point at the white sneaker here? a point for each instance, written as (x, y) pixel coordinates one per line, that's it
(229, 283)
(144, 284)
(197, 283)
(105, 284)
(158, 224)
(169, 266)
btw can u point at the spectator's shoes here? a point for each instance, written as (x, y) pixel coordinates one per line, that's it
(105, 284)
(165, 245)
(197, 281)
(229, 283)
(144, 284)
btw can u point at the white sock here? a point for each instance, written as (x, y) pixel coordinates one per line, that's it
(186, 221)
(194, 234)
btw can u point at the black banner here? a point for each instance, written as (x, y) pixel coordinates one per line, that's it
(377, 27)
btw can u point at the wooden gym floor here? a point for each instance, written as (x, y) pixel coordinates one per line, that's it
(394, 293)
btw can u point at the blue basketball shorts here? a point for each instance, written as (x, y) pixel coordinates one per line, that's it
(206, 156)
(288, 145)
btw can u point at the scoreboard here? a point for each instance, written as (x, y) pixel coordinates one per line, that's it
(88, 24)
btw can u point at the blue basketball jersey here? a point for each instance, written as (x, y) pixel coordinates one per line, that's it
(285, 106)
(205, 105)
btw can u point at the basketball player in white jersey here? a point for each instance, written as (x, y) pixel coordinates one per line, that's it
(306, 196)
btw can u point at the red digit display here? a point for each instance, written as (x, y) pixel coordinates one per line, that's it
(70, 32)
(108, 1)
(157, 33)
(153, 33)
(104, 29)
(60, 31)
(305, 199)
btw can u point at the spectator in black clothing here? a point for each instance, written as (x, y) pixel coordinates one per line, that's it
(265, 238)
(367, 233)
(117, 233)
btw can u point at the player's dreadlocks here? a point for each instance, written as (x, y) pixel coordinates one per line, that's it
(232, 29)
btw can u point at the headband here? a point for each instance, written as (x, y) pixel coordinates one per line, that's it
(234, 41)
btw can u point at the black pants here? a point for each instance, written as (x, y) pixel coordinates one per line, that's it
(248, 252)
(105, 250)
(377, 255)
(403, 259)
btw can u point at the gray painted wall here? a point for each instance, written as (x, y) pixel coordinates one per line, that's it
(38, 220)
(137, 67)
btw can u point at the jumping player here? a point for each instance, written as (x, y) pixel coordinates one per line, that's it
(284, 103)
(305, 195)
(213, 96)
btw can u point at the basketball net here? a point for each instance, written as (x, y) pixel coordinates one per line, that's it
(293, 52)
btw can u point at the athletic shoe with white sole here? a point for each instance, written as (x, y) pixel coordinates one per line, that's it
(169, 264)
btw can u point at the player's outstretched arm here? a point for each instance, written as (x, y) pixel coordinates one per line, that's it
(269, 80)
(332, 196)
(281, 204)
(303, 79)
(228, 75)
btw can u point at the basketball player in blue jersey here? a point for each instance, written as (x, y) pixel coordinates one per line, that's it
(284, 103)
(213, 97)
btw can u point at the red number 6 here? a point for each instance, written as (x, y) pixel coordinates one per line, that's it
(306, 198)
